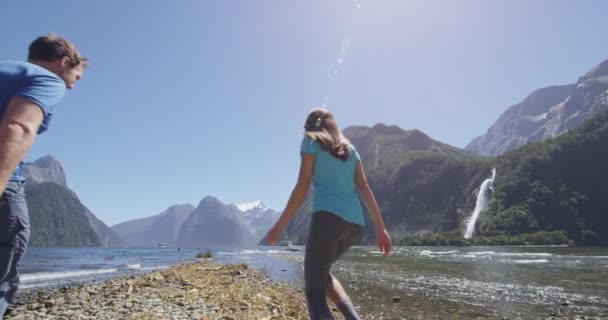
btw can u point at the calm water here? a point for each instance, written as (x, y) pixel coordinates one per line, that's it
(49, 267)
(413, 283)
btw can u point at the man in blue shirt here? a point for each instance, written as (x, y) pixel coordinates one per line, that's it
(28, 93)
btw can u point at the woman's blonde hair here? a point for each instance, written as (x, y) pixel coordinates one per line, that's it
(321, 126)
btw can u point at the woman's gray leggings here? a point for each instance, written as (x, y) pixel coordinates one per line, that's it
(329, 237)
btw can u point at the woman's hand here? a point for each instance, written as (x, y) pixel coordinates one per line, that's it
(383, 240)
(273, 235)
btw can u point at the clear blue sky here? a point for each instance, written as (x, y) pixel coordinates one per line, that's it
(185, 99)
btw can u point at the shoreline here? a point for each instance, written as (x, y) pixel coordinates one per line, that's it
(208, 289)
(193, 290)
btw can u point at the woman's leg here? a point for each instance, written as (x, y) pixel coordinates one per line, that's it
(320, 252)
(338, 296)
(351, 235)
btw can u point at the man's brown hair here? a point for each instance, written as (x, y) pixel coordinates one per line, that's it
(52, 47)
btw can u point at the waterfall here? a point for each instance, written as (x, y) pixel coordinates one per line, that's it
(480, 204)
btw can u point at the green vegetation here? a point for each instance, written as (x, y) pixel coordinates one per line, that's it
(454, 238)
(552, 192)
(557, 185)
(560, 184)
(57, 218)
(430, 190)
(204, 255)
(419, 183)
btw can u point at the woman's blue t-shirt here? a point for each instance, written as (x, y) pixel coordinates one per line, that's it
(334, 182)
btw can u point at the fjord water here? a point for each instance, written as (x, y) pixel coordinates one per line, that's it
(484, 282)
(414, 282)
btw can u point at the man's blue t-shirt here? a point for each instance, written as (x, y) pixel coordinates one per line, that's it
(334, 182)
(31, 82)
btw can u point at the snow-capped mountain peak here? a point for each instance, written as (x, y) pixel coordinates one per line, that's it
(258, 216)
(250, 206)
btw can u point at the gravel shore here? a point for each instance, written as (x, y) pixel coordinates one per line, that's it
(198, 290)
(208, 290)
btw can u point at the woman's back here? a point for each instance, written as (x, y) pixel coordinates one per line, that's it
(334, 182)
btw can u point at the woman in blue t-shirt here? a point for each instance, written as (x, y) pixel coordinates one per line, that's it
(334, 166)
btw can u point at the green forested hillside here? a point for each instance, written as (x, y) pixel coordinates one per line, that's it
(424, 186)
(421, 185)
(57, 218)
(561, 184)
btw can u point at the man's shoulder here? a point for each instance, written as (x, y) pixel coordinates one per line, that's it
(26, 69)
(9, 68)
(4, 63)
(32, 82)
(17, 66)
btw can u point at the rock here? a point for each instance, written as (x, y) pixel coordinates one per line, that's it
(546, 113)
(158, 277)
(236, 273)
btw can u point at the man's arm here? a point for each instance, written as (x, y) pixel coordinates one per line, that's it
(18, 130)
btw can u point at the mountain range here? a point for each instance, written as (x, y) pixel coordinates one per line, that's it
(546, 113)
(425, 186)
(548, 150)
(57, 217)
(210, 223)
